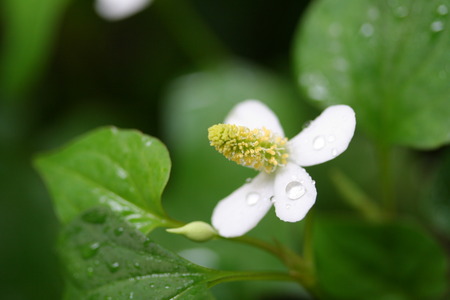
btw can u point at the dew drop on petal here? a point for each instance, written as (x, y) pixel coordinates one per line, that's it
(331, 138)
(288, 206)
(252, 198)
(272, 199)
(318, 143)
(334, 152)
(295, 190)
(248, 180)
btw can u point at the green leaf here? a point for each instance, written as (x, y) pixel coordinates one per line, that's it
(106, 258)
(388, 59)
(358, 260)
(123, 169)
(29, 30)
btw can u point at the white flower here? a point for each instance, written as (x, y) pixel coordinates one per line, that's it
(252, 136)
(114, 10)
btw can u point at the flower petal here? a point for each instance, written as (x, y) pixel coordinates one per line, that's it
(254, 114)
(244, 208)
(114, 10)
(295, 193)
(325, 138)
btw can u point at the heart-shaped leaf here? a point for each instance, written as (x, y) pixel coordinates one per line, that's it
(106, 258)
(389, 59)
(123, 169)
(358, 260)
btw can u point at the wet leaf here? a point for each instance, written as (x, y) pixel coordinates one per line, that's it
(389, 59)
(106, 258)
(123, 169)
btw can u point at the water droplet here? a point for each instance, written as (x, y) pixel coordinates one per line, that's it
(318, 143)
(122, 173)
(437, 26)
(148, 143)
(272, 199)
(318, 92)
(401, 11)
(340, 64)
(295, 190)
(95, 217)
(331, 138)
(316, 85)
(334, 152)
(90, 249)
(248, 180)
(114, 267)
(373, 13)
(335, 29)
(118, 231)
(167, 287)
(114, 130)
(442, 10)
(313, 182)
(288, 206)
(137, 265)
(366, 29)
(252, 198)
(131, 295)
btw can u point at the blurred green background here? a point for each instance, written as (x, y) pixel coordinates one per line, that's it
(171, 71)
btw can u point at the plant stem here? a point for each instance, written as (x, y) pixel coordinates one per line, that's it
(258, 244)
(300, 270)
(355, 197)
(192, 34)
(241, 276)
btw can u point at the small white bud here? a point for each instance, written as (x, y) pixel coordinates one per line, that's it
(197, 231)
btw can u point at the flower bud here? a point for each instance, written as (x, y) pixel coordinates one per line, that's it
(197, 231)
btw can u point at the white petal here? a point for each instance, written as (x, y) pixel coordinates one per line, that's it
(244, 208)
(114, 10)
(325, 138)
(295, 193)
(254, 114)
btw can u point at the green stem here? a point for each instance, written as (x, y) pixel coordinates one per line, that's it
(193, 35)
(355, 197)
(258, 244)
(242, 276)
(300, 270)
